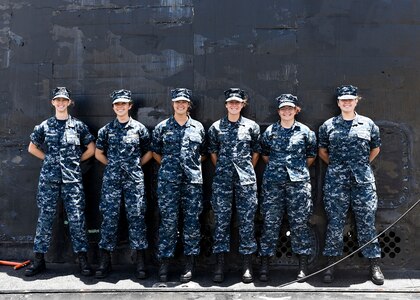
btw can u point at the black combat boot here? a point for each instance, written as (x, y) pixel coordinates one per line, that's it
(84, 266)
(104, 264)
(264, 268)
(329, 273)
(37, 266)
(303, 267)
(247, 274)
(163, 270)
(140, 267)
(187, 275)
(376, 274)
(218, 275)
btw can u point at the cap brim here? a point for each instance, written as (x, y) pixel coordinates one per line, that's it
(287, 104)
(235, 99)
(61, 96)
(343, 97)
(123, 100)
(181, 99)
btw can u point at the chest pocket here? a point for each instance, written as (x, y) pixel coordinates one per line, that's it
(52, 138)
(297, 143)
(169, 137)
(72, 137)
(338, 139)
(244, 135)
(360, 132)
(195, 138)
(223, 136)
(277, 143)
(363, 135)
(113, 139)
(131, 138)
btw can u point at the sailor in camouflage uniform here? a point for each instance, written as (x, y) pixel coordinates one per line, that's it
(61, 142)
(348, 143)
(123, 146)
(179, 146)
(289, 148)
(234, 150)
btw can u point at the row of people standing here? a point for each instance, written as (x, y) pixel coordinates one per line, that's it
(178, 144)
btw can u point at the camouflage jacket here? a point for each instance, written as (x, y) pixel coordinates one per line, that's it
(64, 146)
(181, 148)
(288, 150)
(349, 145)
(124, 145)
(234, 144)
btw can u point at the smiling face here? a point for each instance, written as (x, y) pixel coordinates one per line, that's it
(287, 113)
(61, 104)
(347, 105)
(121, 109)
(181, 107)
(234, 107)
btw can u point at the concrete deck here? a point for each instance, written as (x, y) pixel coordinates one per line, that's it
(63, 280)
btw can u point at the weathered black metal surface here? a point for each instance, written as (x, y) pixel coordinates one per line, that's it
(303, 47)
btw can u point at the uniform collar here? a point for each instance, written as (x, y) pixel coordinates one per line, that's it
(226, 121)
(129, 123)
(356, 119)
(295, 126)
(175, 123)
(70, 123)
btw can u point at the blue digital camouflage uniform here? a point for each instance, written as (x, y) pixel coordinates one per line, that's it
(350, 181)
(179, 183)
(123, 145)
(61, 176)
(234, 144)
(286, 186)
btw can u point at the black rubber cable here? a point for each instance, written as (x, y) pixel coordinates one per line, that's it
(355, 251)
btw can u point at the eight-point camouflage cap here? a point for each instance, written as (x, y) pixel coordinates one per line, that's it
(287, 100)
(179, 94)
(61, 92)
(121, 96)
(235, 94)
(347, 92)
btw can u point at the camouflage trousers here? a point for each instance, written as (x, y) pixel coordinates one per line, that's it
(362, 198)
(74, 204)
(246, 207)
(173, 197)
(115, 186)
(295, 198)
